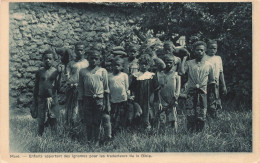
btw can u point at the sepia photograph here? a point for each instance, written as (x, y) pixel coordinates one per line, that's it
(130, 77)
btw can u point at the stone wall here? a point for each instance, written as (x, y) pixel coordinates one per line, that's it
(34, 27)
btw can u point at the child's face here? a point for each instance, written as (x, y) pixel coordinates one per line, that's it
(133, 53)
(143, 67)
(200, 51)
(212, 49)
(79, 50)
(117, 66)
(168, 48)
(169, 62)
(47, 60)
(94, 60)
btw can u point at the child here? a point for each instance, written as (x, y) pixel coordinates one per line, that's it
(214, 101)
(118, 85)
(73, 68)
(94, 93)
(45, 92)
(169, 49)
(143, 85)
(169, 81)
(200, 72)
(131, 64)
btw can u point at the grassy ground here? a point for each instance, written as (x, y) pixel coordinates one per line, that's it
(231, 132)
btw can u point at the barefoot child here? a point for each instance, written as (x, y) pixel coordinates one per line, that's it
(94, 93)
(169, 81)
(73, 68)
(200, 73)
(45, 92)
(143, 85)
(118, 86)
(214, 101)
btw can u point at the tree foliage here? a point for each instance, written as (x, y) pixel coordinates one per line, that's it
(229, 23)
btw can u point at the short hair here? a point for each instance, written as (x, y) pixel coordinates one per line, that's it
(168, 57)
(198, 43)
(212, 42)
(48, 51)
(118, 59)
(168, 43)
(95, 53)
(145, 58)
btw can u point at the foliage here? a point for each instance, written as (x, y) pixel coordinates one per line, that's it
(229, 23)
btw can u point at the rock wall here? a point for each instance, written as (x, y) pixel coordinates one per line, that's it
(35, 27)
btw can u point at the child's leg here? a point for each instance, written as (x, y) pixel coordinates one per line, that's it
(114, 116)
(53, 124)
(107, 126)
(212, 105)
(87, 106)
(172, 117)
(146, 117)
(123, 115)
(41, 115)
(201, 112)
(129, 114)
(190, 106)
(97, 118)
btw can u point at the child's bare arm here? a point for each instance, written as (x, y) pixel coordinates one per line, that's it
(178, 86)
(182, 72)
(80, 86)
(222, 80)
(106, 91)
(36, 87)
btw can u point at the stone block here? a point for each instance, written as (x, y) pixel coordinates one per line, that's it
(18, 16)
(32, 69)
(20, 43)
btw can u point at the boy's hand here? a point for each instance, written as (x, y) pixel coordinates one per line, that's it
(160, 106)
(224, 90)
(107, 108)
(132, 98)
(60, 68)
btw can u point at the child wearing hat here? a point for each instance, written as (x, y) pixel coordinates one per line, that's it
(118, 85)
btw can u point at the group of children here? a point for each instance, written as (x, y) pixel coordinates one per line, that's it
(131, 90)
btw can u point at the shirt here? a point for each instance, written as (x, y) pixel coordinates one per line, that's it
(93, 83)
(73, 70)
(216, 62)
(118, 86)
(168, 83)
(199, 74)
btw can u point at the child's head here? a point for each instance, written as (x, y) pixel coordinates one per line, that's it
(212, 47)
(79, 50)
(132, 51)
(145, 61)
(168, 46)
(94, 58)
(169, 61)
(200, 48)
(117, 64)
(47, 58)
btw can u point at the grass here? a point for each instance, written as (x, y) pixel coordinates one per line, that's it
(231, 132)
